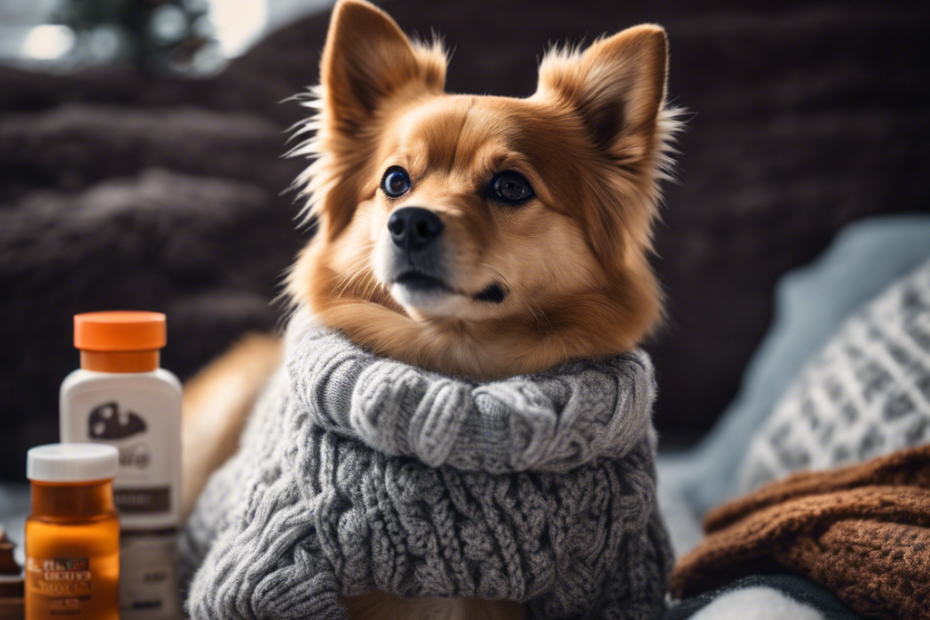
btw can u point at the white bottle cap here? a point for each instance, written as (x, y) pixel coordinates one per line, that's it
(72, 462)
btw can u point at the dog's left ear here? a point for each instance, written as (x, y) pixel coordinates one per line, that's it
(368, 62)
(617, 86)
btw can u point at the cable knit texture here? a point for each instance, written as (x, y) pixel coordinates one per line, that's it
(358, 473)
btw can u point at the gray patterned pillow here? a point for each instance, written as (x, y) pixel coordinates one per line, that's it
(867, 393)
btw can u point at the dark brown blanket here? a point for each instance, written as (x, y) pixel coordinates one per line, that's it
(119, 190)
(862, 531)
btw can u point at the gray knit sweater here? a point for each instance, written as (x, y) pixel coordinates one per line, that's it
(357, 473)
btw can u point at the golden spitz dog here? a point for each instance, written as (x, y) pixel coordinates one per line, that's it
(472, 235)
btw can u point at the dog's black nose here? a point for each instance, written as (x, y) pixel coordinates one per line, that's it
(413, 228)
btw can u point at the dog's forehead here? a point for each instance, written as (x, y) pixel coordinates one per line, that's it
(468, 131)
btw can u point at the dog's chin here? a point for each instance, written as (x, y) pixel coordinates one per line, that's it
(434, 300)
(426, 295)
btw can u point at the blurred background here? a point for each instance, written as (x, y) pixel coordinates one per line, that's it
(141, 166)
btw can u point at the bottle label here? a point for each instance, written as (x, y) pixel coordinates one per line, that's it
(59, 587)
(65, 580)
(148, 577)
(76, 588)
(143, 500)
(141, 421)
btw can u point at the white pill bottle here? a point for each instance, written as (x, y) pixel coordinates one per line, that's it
(122, 397)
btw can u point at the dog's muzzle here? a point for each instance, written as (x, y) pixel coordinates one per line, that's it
(417, 258)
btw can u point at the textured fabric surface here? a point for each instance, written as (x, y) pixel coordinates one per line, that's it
(867, 393)
(555, 422)
(358, 473)
(807, 117)
(811, 304)
(764, 596)
(862, 531)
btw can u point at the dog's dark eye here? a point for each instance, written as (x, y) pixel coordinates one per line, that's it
(396, 182)
(511, 187)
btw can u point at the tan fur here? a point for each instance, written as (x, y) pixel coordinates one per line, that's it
(216, 403)
(574, 259)
(592, 142)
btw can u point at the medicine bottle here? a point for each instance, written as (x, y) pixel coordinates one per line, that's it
(120, 396)
(72, 533)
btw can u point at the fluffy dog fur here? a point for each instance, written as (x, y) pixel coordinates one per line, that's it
(568, 267)
(592, 142)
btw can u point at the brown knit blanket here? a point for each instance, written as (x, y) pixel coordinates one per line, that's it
(862, 531)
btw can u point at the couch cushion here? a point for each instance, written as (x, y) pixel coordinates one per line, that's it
(865, 394)
(811, 303)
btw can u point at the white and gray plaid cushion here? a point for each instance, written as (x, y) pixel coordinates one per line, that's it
(867, 393)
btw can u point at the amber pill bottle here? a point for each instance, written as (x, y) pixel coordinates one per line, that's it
(72, 533)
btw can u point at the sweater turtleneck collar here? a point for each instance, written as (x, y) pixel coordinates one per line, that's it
(552, 421)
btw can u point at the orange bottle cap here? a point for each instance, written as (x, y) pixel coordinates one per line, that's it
(122, 330)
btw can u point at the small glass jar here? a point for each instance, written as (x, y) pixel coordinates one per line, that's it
(72, 533)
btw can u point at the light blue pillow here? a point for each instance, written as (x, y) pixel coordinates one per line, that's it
(810, 304)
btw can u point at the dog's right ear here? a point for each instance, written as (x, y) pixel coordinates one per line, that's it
(367, 61)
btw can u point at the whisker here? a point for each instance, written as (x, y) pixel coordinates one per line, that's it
(372, 289)
(352, 270)
(348, 282)
(352, 273)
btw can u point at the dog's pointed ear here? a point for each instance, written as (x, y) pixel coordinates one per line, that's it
(368, 59)
(617, 86)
